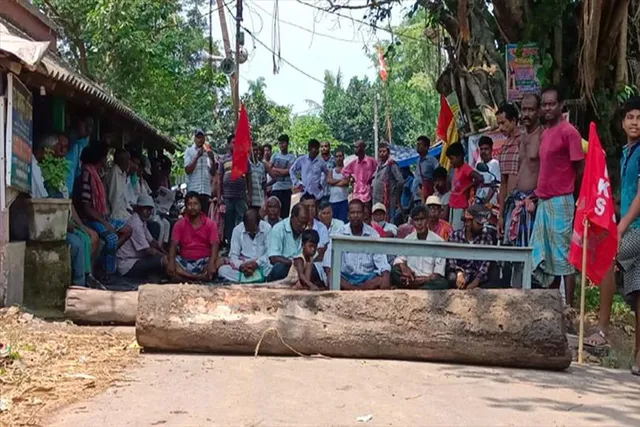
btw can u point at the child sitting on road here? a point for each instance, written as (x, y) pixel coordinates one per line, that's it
(304, 275)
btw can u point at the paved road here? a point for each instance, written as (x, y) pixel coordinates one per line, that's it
(184, 390)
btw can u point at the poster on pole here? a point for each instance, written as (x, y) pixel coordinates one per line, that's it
(19, 136)
(473, 151)
(523, 63)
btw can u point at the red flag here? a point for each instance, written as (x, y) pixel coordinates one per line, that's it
(446, 129)
(595, 205)
(242, 146)
(383, 64)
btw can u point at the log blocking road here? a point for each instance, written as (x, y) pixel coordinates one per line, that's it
(203, 390)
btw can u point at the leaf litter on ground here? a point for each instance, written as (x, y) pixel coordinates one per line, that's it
(48, 365)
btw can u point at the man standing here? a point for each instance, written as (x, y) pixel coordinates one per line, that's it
(141, 256)
(195, 237)
(561, 167)
(387, 182)
(518, 209)
(235, 192)
(280, 165)
(311, 169)
(285, 242)
(78, 141)
(330, 161)
(198, 165)
(420, 272)
(338, 189)
(362, 170)
(248, 261)
(487, 193)
(507, 117)
(258, 178)
(117, 184)
(360, 271)
(422, 186)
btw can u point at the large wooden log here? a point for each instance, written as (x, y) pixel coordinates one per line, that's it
(98, 306)
(493, 327)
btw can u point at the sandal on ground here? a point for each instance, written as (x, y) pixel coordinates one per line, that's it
(597, 340)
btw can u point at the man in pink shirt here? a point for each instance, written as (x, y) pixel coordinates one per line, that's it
(196, 238)
(362, 171)
(561, 166)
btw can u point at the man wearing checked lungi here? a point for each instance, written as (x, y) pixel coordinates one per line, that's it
(561, 167)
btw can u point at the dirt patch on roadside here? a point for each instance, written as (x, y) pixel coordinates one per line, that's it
(47, 365)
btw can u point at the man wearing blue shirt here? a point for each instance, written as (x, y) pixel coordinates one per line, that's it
(78, 141)
(311, 169)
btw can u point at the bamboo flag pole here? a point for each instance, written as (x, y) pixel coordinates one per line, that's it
(582, 290)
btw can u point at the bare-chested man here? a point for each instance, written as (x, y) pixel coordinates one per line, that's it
(520, 205)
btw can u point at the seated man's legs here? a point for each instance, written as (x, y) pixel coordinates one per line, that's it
(228, 273)
(362, 282)
(191, 269)
(112, 241)
(153, 266)
(78, 264)
(278, 272)
(154, 229)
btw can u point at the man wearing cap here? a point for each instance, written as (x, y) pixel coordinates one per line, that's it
(141, 256)
(435, 223)
(470, 274)
(379, 215)
(198, 163)
(420, 272)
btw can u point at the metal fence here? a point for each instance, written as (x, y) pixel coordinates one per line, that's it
(422, 248)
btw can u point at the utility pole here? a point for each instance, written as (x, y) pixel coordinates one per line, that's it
(375, 125)
(227, 49)
(239, 43)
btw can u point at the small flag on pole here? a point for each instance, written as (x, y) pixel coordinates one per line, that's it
(383, 64)
(446, 129)
(242, 146)
(595, 207)
(595, 235)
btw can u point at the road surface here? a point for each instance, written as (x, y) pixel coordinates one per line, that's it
(198, 390)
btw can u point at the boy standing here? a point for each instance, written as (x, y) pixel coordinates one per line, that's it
(464, 177)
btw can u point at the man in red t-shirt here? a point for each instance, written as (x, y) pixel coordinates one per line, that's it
(464, 178)
(561, 166)
(196, 238)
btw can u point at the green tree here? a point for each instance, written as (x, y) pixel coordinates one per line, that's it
(304, 128)
(268, 119)
(150, 54)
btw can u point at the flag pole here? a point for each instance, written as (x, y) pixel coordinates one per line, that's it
(582, 289)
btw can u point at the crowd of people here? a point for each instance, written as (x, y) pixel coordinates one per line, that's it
(246, 230)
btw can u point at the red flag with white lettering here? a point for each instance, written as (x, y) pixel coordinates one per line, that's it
(595, 206)
(241, 146)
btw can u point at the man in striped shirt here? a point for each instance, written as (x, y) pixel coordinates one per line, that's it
(360, 271)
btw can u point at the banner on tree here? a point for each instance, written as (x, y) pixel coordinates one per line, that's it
(523, 63)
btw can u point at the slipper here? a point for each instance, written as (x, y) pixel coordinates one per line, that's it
(603, 345)
(635, 370)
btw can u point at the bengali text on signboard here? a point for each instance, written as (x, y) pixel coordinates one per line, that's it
(19, 138)
(523, 63)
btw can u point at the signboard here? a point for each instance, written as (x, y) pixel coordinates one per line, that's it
(19, 137)
(523, 63)
(473, 151)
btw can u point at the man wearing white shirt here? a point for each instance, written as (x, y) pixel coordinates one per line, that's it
(360, 271)
(248, 260)
(420, 272)
(198, 163)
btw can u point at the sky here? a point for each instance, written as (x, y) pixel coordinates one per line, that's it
(312, 53)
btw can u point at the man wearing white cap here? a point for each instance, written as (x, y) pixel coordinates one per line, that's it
(379, 215)
(435, 223)
(141, 257)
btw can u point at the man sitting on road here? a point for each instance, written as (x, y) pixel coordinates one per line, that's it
(378, 215)
(141, 257)
(360, 271)
(470, 274)
(196, 238)
(285, 242)
(416, 272)
(325, 215)
(248, 261)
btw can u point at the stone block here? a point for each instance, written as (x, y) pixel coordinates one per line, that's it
(47, 274)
